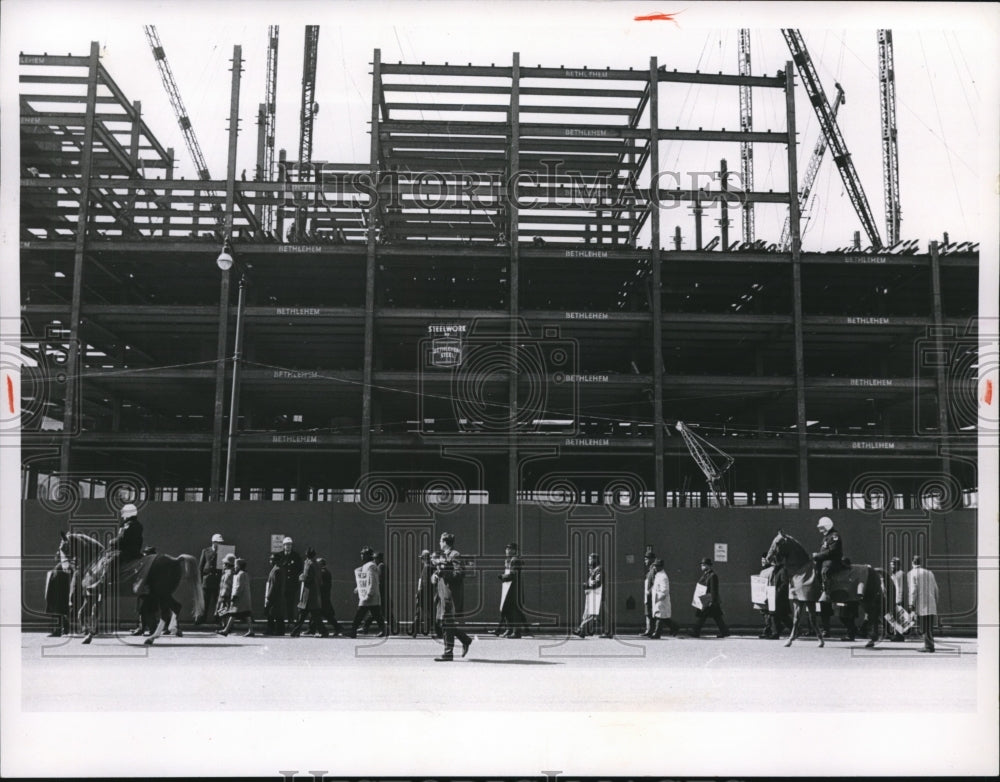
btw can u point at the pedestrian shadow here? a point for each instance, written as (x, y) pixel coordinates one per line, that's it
(511, 662)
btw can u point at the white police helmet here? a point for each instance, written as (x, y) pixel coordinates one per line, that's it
(286, 540)
(825, 524)
(129, 511)
(217, 538)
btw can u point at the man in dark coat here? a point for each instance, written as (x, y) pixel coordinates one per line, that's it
(57, 589)
(325, 600)
(512, 618)
(309, 598)
(448, 577)
(293, 565)
(274, 597)
(830, 556)
(424, 614)
(711, 603)
(208, 569)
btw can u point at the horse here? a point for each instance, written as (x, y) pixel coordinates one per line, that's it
(165, 575)
(855, 583)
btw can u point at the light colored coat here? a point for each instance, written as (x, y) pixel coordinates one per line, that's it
(240, 602)
(661, 595)
(923, 595)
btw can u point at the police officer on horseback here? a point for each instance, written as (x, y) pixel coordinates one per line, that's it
(831, 554)
(124, 554)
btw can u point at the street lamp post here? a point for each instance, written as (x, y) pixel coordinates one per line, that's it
(225, 263)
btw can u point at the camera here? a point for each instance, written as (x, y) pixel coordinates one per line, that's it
(42, 364)
(969, 376)
(464, 385)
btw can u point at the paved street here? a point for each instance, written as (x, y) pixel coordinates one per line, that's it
(203, 671)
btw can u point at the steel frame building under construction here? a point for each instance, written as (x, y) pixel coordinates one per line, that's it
(471, 315)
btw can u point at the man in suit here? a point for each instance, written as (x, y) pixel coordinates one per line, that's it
(448, 578)
(512, 618)
(309, 598)
(208, 569)
(923, 599)
(711, 604)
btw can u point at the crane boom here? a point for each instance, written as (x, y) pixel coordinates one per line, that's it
(306, 117)
(890, 146)
(699, 449)
(270, 110)
(828, 125)
(167, 76)
(746, 126)
(807, 197)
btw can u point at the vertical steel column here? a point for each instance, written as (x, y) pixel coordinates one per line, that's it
(366, 381)
(133, 159)
(258, 209)
(656, 314)
(796, 246)
(74, 359)
(940, 348)
(168, 175)
(234, 398)
(220, 361)
(724, 206)
(514, 125)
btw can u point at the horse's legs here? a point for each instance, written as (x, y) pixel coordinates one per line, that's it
(814, 623)
(162, 624)
(175, 622)
(793, 633)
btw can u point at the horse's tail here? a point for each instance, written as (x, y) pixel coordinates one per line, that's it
(193, 580)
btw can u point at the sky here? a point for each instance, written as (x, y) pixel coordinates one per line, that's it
(946, 88)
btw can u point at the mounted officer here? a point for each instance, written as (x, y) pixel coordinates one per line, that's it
(831, 554)
(124, 556)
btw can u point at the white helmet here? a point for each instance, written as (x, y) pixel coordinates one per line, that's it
(217, 538)
(129, 511)
(286, 540)
(825, 524)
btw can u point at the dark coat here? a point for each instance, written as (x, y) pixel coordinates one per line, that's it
(57, 584)
(326, 585)
(450, 580)
(274, 593)
(711, 580)
(129, 541)
(832, 549)
(512, 574)
(208, 568)
(309, 597)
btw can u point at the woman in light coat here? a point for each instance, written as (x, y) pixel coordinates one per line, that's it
(661, 602)
(225, 588)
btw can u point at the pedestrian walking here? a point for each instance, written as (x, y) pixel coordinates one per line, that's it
(708, 600)
(923, 598)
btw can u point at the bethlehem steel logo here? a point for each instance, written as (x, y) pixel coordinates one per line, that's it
(446, 344)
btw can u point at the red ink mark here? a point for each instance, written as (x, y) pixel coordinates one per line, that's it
(988, 396)
(659, 17)
(10, 394)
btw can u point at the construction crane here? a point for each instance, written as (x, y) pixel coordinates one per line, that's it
(268, 120)
(699, 448)
(830, 129)
(746, 126)
(308, 114)
(174, 95)
(890, 146)
(807, 196)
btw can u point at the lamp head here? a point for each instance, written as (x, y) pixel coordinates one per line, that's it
(225, 259)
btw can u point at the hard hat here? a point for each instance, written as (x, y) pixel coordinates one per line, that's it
(286, 540)
(217, 538)
(128, 511)
(825, 524)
